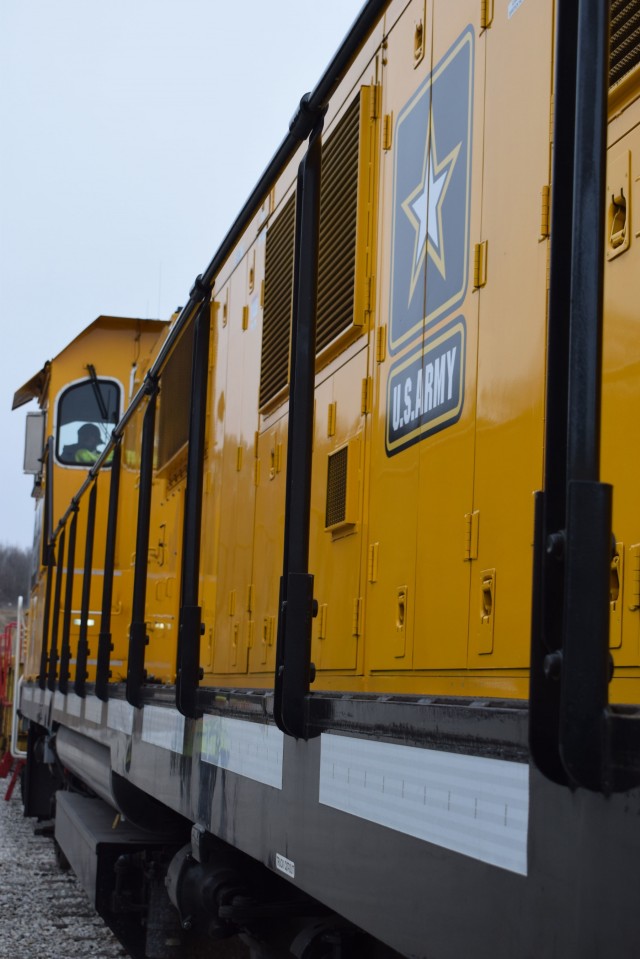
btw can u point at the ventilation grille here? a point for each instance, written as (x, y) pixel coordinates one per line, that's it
(175, 399)
(278, 296)
(336, 260)
(338, 221)
(336, 511)
(624, 52)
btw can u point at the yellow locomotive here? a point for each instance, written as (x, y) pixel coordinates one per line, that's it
(336, 619)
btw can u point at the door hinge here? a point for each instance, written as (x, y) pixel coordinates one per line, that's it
(375, 99)
(372, 564)
(322, 621)
(381, 343)
(357, 616)
(331, 419)
(486, 14)
(387, 131)
(545, 213)
(471, 525)
(365, 401)
(480, 264)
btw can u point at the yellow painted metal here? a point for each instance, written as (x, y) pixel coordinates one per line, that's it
(336, 553)
(117, 348)
(212, 487)
(268, 543)
(621, 382)
(236, 405)
(421, 547)
(508, 464)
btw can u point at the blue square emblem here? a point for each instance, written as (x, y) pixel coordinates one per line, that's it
(431, 197)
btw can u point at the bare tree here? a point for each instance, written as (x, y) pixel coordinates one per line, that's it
(15, 564)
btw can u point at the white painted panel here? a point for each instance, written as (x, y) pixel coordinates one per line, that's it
(163, 727)
(74, 704)
(93, 709)
(253, 750)
(120, 716)
(473, 805)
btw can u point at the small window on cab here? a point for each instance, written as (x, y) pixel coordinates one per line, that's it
(86, 415)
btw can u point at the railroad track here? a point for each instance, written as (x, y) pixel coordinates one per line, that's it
(44, 912)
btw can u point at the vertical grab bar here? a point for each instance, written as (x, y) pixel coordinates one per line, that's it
(569, 722)
(138, 638)
(188, 664)
(65, 644)
(83, 647)
(53, 652)
(293, 650)
(105, 647)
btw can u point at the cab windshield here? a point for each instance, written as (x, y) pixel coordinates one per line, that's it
(87, 413)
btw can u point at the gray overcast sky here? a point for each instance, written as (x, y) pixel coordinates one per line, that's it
(132, 133)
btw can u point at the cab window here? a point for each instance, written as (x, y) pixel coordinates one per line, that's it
(87, 413)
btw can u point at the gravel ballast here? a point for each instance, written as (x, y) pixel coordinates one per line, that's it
(44, 912)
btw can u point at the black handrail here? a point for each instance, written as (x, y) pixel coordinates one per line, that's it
(53, 652)
(44, 651)
(585, 649)
(188, 654)
(138, 638)
(570, 720)
(65, 645)
(105, 646)
(48, 536)
(548, 568)
(82, 654)
(294, 670)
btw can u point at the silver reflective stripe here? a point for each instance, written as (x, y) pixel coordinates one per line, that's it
(473, 805)
(163, 727)
(253, 750)
(120, 716)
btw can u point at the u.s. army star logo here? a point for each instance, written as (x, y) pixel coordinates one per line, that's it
(431, 197)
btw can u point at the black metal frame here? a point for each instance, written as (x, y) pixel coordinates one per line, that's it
(53, 651)
(105, 646)
(65, 644)
(571, 724)
(294, 670)
(138, 638)
(47, 560)
(82, 654)
(44, 651)
(190, 630)
(48, 536)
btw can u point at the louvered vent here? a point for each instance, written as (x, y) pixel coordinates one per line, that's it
(338, 219)
(624, 52)
(175, 398)
(278, 294)
(336, 510)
